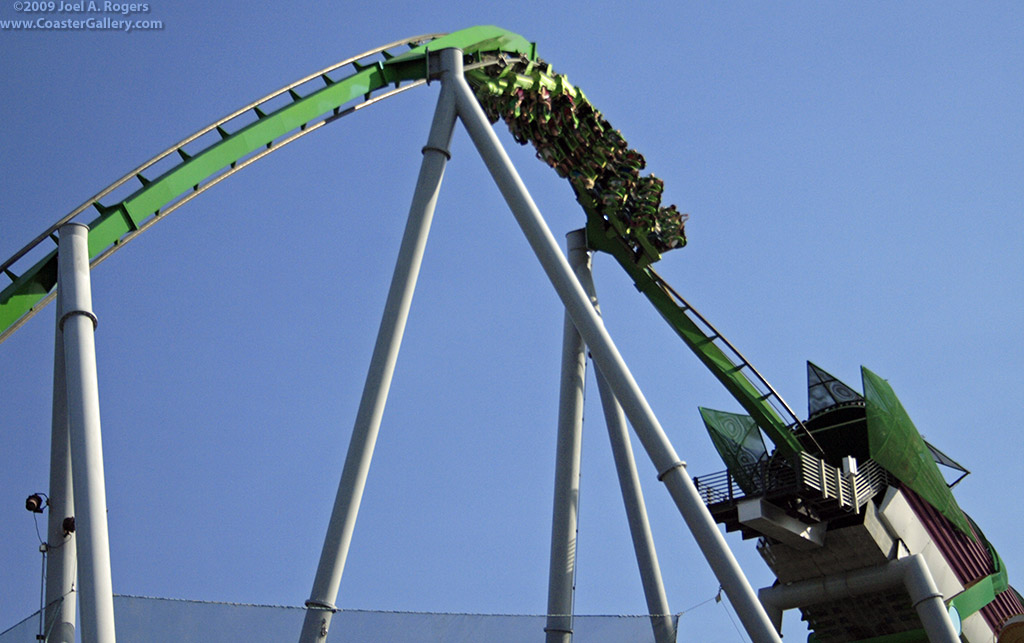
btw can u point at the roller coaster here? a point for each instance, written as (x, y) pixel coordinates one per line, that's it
(850, 507)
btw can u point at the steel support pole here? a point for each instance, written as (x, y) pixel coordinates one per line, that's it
(625, 467)
(636, 515)
(671, 470)
(912, 572)
(60, 569)
(321, 604)
(565, 511)
(78, 324)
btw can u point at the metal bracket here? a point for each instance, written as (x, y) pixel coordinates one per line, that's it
(320, 605)
(95, 322)
(431, 148)
(432, 60)
(678, 465)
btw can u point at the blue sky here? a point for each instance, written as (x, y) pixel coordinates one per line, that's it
(853, 175)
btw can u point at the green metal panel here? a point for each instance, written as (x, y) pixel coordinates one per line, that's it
(896, 445)
(976, 597)
(107, 229)
(474, 40)
(739, 443)
(984, 591)
(35, 284)
(182, 178)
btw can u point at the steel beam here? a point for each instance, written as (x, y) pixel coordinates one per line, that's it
(61, 548)
(78, 324)
(625, 467)
(671, 470)
(912, 572)
(321, 603)
(565, 511)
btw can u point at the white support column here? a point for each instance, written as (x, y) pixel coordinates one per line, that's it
(671, 470)
(565, 512)
(78, 324)
(321, 603)
(625, 466)
(60, 568)
(912, 572)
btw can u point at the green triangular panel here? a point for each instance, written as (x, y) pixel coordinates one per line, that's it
(739, 443)
(896, 445)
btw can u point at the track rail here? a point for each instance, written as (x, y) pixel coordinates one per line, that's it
(744, 382)
(239, 139)
(624, 214)
(40, 277)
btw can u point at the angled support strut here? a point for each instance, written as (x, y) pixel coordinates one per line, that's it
(611, 364)
(321, 603)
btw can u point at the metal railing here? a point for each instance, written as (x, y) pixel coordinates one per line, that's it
(806, 476)
(769, 476)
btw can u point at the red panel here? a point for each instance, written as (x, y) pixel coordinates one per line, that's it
(1006, 605)
(969, 559)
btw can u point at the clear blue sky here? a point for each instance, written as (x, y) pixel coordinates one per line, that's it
(854, 176)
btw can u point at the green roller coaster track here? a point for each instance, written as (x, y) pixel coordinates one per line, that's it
(625, 218)
(501, 66)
